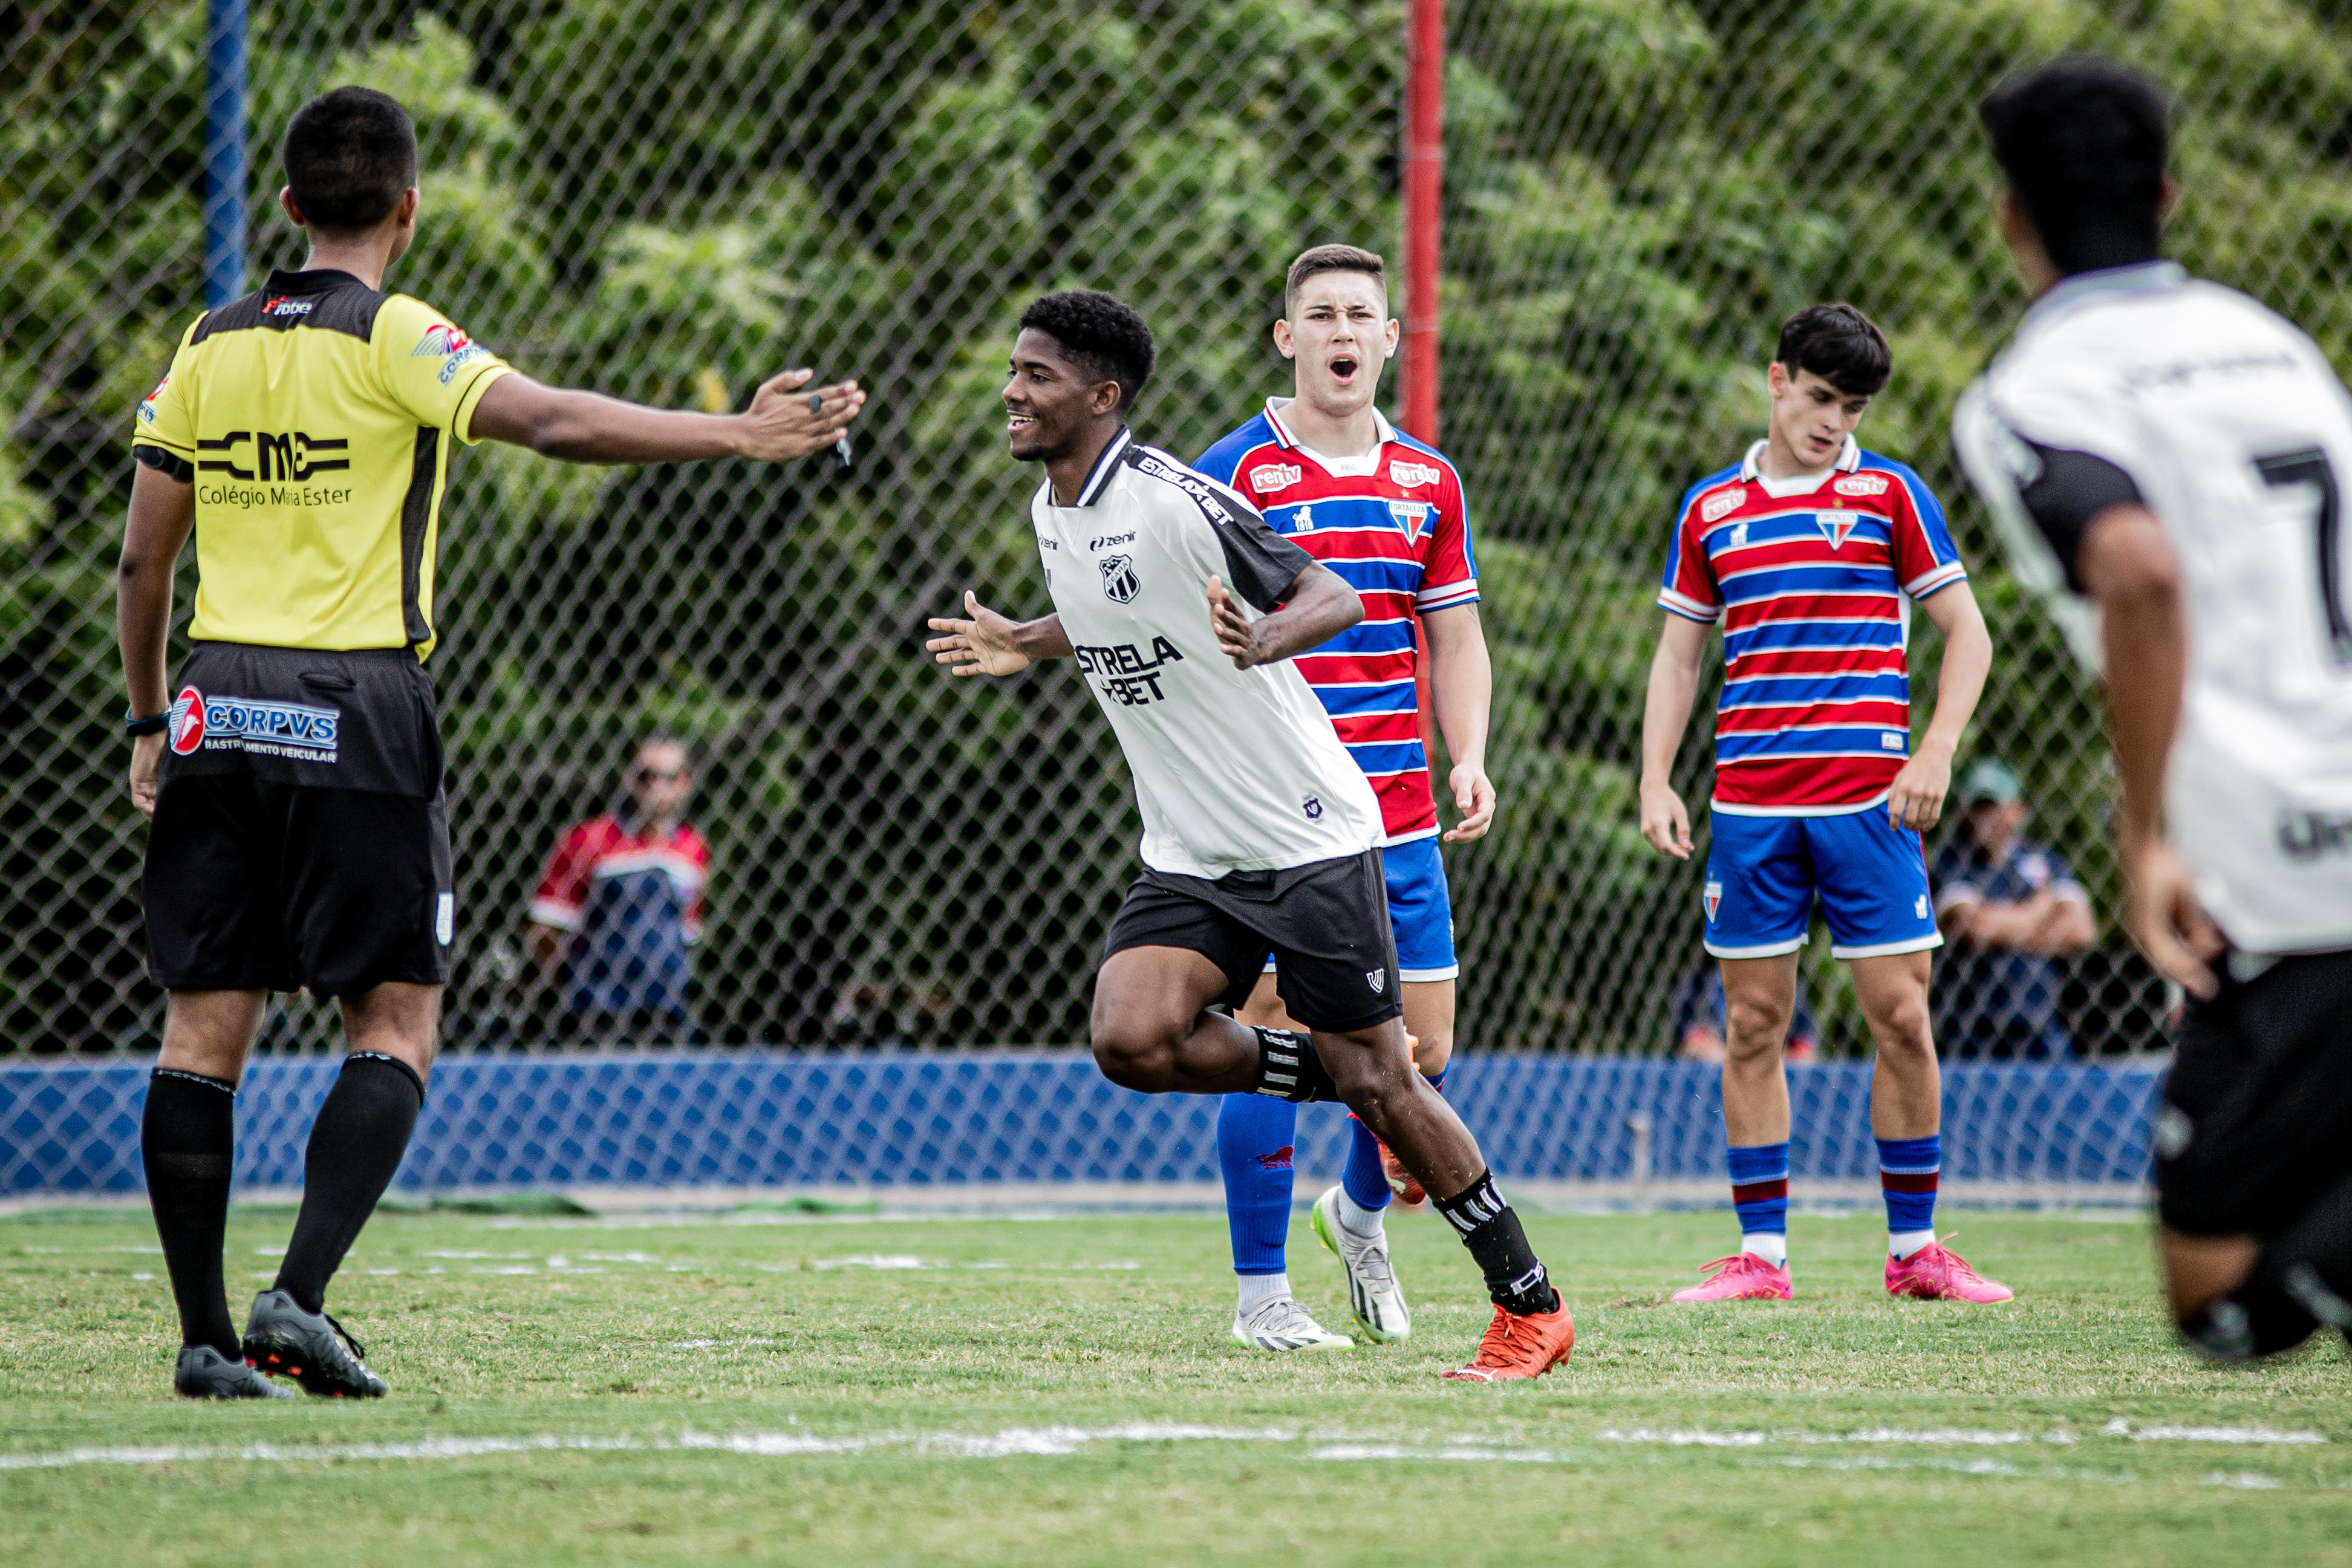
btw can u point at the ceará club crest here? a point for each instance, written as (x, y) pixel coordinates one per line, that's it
(1120, 581)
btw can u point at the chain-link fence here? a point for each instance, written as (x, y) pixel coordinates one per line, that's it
(670, 199)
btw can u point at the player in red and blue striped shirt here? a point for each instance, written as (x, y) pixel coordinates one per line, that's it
(1386, 512)
(1812, 553)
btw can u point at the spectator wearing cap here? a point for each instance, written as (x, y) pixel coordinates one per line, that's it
(2008, 906)
(620, 905)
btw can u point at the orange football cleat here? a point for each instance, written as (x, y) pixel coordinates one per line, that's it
(1517, 1346)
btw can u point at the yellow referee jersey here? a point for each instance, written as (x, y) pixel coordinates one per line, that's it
(315, 418)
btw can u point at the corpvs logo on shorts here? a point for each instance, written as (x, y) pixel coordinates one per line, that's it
(448, 345)
(297, 730)
(187, 726)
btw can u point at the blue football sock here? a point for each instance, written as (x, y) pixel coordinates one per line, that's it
(1907, 1173)
(1759, 1188)
(1366, 1179)
(1256, 1135)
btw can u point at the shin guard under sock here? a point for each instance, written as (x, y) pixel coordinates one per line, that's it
(1255, 1142)
(188, 1140)
(1516, 1280)
(355, 1145)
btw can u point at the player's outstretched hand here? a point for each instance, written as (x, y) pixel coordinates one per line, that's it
(784, 422)
(146, 767)
(1665, 823)
(2164, 918)
(1236, 635)
(1473, 797)
(1917, 798)
(982, 646)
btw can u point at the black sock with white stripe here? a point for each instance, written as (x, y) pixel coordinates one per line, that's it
(1288, 1069)
(1491, 1229)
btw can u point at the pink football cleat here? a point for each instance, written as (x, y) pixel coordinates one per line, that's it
(1933, 1273)
(1742, 1277)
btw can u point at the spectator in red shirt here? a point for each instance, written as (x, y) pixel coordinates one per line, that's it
(619, 906)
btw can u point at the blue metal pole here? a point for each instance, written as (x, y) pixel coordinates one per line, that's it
(224, 152)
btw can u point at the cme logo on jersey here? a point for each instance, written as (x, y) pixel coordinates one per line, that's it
(1120, 583)
(1268, 477)
(1836, 526)
(187, 726)
(1715, 507)
(1410, 475)
(1861, 484)
(1409, 515)
(448, 345)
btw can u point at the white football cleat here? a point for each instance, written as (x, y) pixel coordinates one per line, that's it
(1373, 1293)
(1283, 1325)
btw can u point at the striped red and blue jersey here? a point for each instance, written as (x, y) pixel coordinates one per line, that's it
(1813, 585)
(1393, 523)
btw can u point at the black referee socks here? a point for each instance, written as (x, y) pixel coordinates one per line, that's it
(188, 1140)
(2303, 1279)
(355, 1145)
(1490, 1227)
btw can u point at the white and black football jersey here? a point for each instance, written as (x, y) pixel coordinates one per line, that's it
(2140, 383)
(1235, 770)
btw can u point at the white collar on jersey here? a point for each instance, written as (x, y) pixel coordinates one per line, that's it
(2106, 283)
(1105, 464)
(1751, 470)
(1338, 468)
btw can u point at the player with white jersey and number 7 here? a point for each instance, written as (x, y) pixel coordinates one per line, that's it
(2176, 453)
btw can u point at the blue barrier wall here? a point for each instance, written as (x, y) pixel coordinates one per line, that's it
(756, 1118)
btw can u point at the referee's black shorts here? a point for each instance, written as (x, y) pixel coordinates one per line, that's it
(299, 837)
(1326, 922)
(2256, 1122)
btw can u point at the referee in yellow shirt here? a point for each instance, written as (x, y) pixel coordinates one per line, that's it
(293, 773)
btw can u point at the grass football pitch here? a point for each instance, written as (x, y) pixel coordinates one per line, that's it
(1061, 1390)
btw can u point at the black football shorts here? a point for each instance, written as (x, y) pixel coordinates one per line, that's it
(2256, 1121)
(1326, 922)
(300, 836)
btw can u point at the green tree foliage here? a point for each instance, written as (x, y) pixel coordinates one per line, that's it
(673, 199)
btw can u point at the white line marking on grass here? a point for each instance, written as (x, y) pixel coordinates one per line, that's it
(509, 1268)
(2119, 1428)
(2246, 1479)
(142, 1276)
(879, 1261)
(474, 1255)
(1696, 1437)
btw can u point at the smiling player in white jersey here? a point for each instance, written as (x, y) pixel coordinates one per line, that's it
(1261, 834)
(2176, 453)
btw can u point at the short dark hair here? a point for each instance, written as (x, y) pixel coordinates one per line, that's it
(349, 156)
(1325, 258)
(2083, 143)
(1101, 332)
(1839, 344)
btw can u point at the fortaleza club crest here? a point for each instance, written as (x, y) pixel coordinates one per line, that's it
(1120, 581)
(1835, 525)
(187, 726)
(1713, 898)
(1409, 515)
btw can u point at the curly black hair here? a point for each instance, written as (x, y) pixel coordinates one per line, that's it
(1099, 331)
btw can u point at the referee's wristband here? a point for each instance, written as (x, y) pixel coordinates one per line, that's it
(133, 725)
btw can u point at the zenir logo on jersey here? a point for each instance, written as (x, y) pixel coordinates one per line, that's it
(274, 457)
(1836, 526)
(1120, 583)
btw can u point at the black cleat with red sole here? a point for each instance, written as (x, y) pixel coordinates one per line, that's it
(282, 1339)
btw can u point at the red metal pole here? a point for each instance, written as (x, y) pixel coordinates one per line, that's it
(1424, 185)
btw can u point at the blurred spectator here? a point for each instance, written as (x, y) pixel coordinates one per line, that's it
(619, 904)
(1699, 1021)
(2008, 907)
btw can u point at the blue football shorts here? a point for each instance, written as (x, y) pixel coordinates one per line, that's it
(1763, 874)
(1420, 911)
